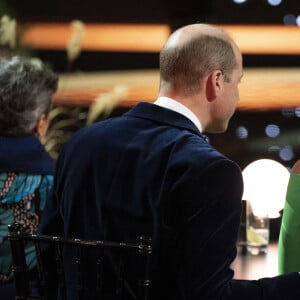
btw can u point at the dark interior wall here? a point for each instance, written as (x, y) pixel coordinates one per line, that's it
(174, 12)
(257, 144)
(113, 11)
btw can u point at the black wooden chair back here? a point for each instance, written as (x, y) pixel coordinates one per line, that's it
(102, 256)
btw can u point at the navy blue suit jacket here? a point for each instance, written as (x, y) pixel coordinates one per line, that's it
(151, 171)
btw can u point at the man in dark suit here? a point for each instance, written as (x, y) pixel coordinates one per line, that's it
(151, 171)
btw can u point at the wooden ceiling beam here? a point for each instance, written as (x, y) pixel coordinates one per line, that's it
(97, 37)
(261, 88)
(252, 39)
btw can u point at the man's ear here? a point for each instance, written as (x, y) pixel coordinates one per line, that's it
(42, 126)
(214, 85)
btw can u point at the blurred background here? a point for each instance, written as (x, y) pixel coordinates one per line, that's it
(256, 131)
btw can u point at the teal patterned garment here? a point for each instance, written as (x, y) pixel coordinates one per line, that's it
(22, 198)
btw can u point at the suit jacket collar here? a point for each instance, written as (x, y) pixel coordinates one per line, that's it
(163, 115)
(24, 154)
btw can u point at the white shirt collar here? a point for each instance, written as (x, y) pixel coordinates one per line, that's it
(180, 108)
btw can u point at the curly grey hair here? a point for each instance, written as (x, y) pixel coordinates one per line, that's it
(26, 90)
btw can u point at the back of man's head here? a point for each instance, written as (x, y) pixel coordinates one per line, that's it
(191, 53)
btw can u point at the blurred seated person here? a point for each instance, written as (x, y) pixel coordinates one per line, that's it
(26, 169)
(289, 238)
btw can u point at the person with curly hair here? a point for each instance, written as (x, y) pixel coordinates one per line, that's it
(26, 169)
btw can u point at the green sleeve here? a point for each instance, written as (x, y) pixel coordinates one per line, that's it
(289, 237)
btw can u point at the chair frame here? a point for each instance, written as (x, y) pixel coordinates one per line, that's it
(17, 239)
